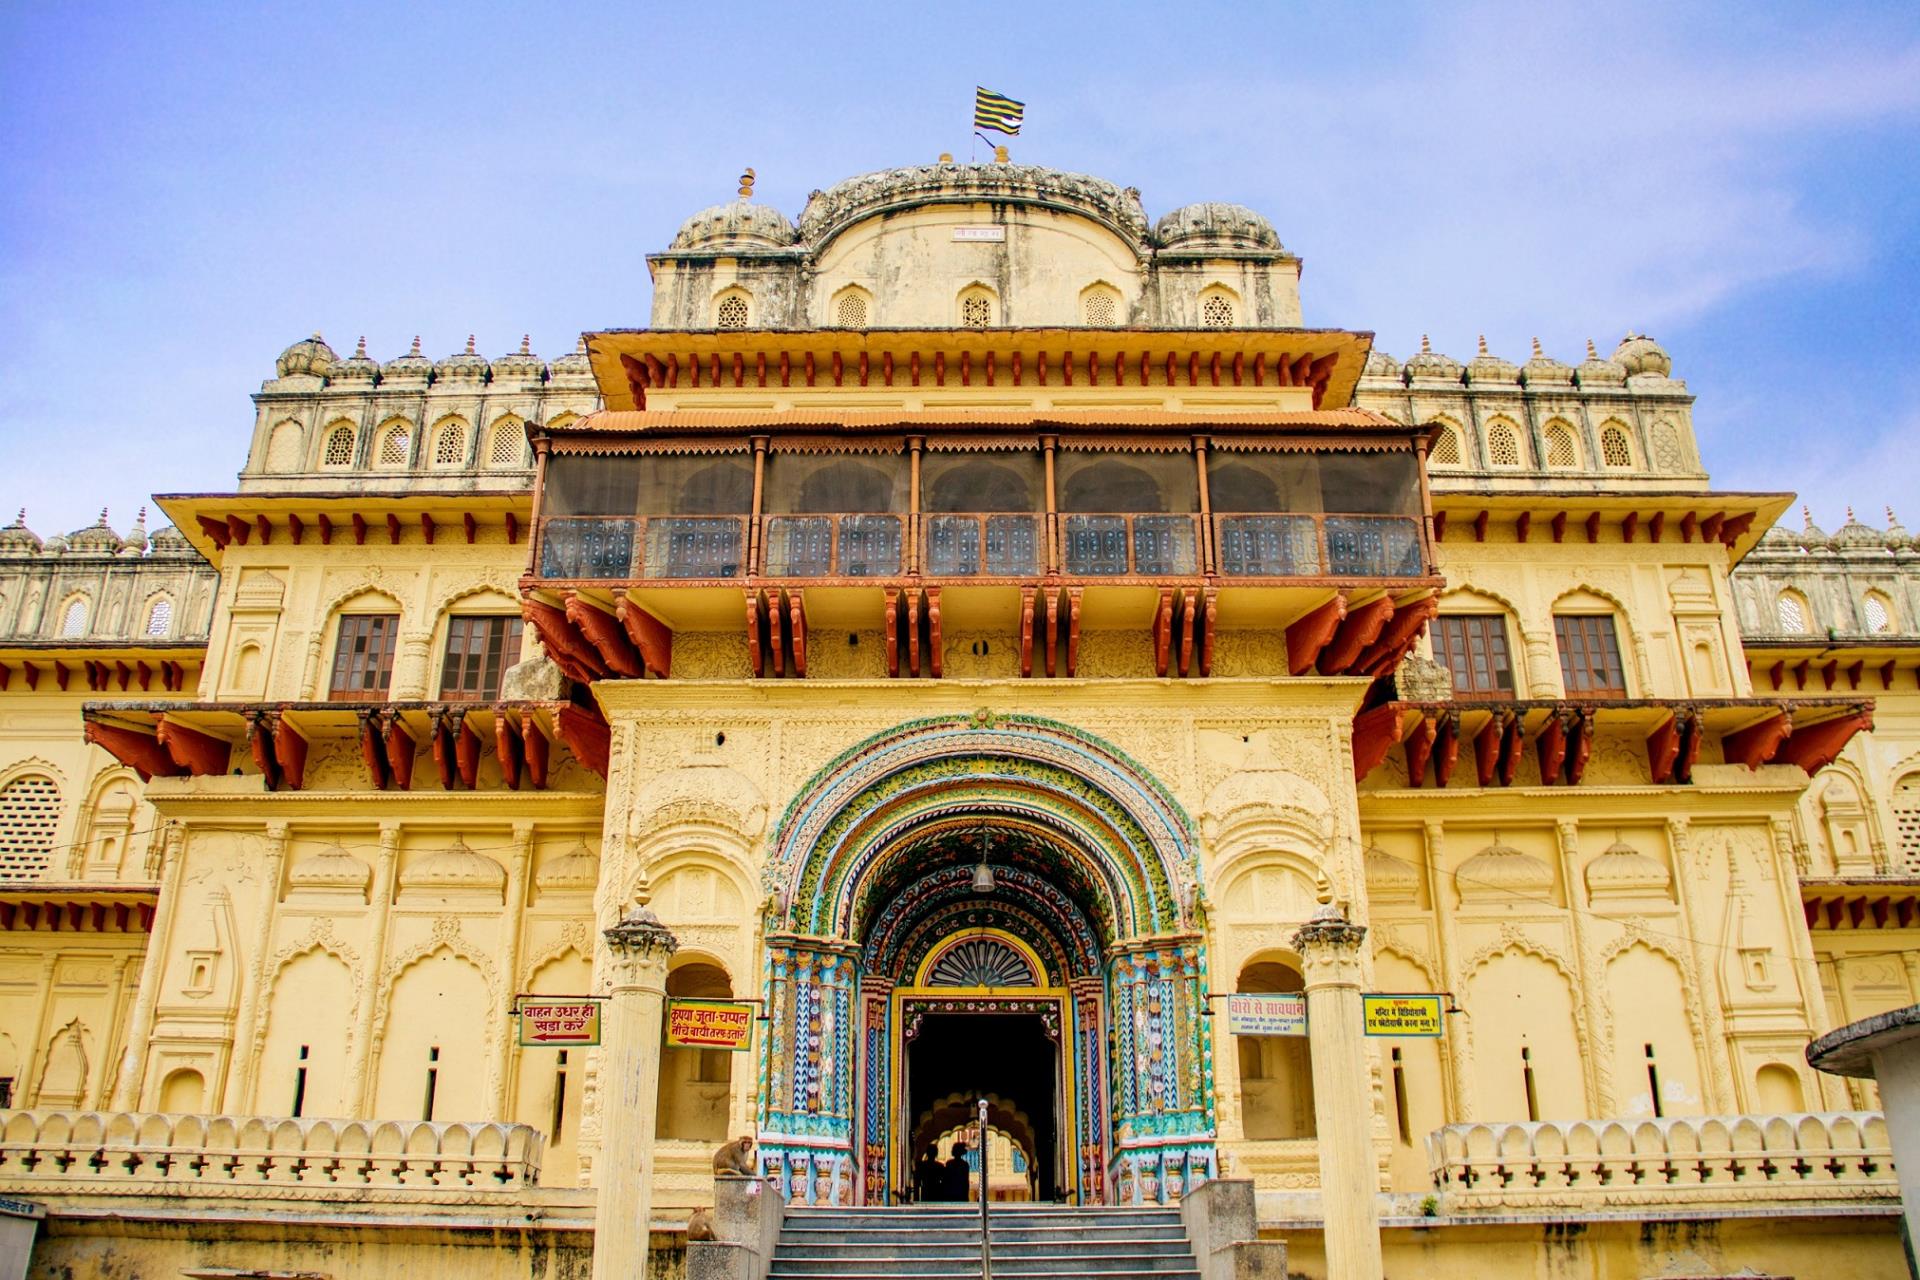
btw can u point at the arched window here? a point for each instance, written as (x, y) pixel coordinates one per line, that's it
(850, 309)
(1100, 308)
(507, 444)
(394, 446)
(1614, 449)
(731, 312)
(1562, 453)
(1791, 613)
(1878, 615)
(29, 817)
(339, 447)
(1445, 450)
(1216, 311)
(450, 445)
(976, 309)
(695, 1083)
(1503, 445)
(1276, 1074)
(160, 617)
(73, 619)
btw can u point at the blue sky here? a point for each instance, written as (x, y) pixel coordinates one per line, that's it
(184, 190)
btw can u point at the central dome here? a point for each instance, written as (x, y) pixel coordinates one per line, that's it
(844, 203)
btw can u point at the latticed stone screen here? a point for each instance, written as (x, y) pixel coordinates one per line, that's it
(160, 617)
(393, 448)
(450, 446)
(1503, 446)
(1793, 619)
(1560, 451)
(1906, 823)
(1216, 313)
(1100, 310)
(1877, 616)
(29, 815)
(1614, 449)
(504, 449)
(976, 311)
(731, 313)
(851, 311)
(1446, 449)
(339, 450)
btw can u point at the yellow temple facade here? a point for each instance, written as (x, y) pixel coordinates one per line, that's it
(981, 629)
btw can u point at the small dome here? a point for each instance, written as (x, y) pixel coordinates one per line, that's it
(1779, 537)
(1853, 535)
(1624, 872)
(1542, 370)
(1501, 872)
(1594, 371)
(1428, 365)
(575, 871)
(1897, 538)
(521, 365)
(1381, 367)
(98, 537)
(1390, 879)
(455, 868)
(1812, 535)
(739, 224)
(1486, 367)
(574, 364)
(308, 356)
(17, 539)
(333, 868)
(357, 367)
(462, 366)
(411, 366)
(168, 538)
(1637, 353)
(136, 540)
(1212, 225)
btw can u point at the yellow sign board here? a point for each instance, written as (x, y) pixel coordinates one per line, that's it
(710, 1024)
(1402, 1014)
(558, 1022)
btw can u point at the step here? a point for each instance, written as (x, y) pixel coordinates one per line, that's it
(960, 1248)
(1067, 1273)
(909, 1262)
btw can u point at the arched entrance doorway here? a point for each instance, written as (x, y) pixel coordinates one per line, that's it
(985, 906)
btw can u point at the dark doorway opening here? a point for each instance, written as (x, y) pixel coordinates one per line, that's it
(958, 1058)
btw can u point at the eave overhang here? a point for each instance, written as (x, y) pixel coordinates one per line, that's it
(214, 521)
(1735, 519)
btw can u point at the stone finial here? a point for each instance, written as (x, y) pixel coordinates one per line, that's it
(416, 346)
(1483, 344)
(1892, 519)
(1806, 515)
(1426, 346)
(526, 344)
(21, 519)
(746, 184)
(640, 932)
(580, 345)
(470, 350)
(102, 521)
(1593, 352)
(1538, 354)
(1850, 519)
(360, 348)
(317, 337)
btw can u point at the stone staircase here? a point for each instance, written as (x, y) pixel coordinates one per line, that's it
(1034, 1242)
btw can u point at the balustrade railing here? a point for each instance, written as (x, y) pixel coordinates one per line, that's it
(1843, 1155)
(979, 545)
(210, 1154)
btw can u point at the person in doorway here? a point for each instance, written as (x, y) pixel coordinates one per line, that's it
(927, 1176)
(957, 1175)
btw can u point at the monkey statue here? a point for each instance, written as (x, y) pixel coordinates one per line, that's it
(734, 1159)
(700, 1225)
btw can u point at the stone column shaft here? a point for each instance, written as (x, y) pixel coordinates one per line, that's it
(1330, 952)
(636, 953)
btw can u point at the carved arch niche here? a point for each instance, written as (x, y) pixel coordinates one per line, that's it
(303, 1054)
(440, 1019)
(550, 1084)
(1526, 1039)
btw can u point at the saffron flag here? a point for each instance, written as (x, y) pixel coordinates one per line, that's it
(997, 112)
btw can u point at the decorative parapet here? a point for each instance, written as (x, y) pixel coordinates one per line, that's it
(113, 1151)
(1823, 1156)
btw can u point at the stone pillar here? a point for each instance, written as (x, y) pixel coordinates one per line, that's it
(1329, 947)
(637, 951)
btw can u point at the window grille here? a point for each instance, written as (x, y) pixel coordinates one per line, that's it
(1099, 310)
(393, 448)
(504, 450)
(1560, 450)
(1614, 449)
(1473, 647)
(363, 657)
(1906, 822)
(479, 651)
(1446, 448)
(851, 311)
(1793, 619)
(1503, 446)
(29, 817)
(1590, 656)
(450, 446)
(1878, 618)
(160, 617)
(976, 311)
(731, 313)
(339, 450)
(1216, 313)
(73, 622)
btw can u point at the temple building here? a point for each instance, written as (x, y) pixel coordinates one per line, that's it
(979, 627)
